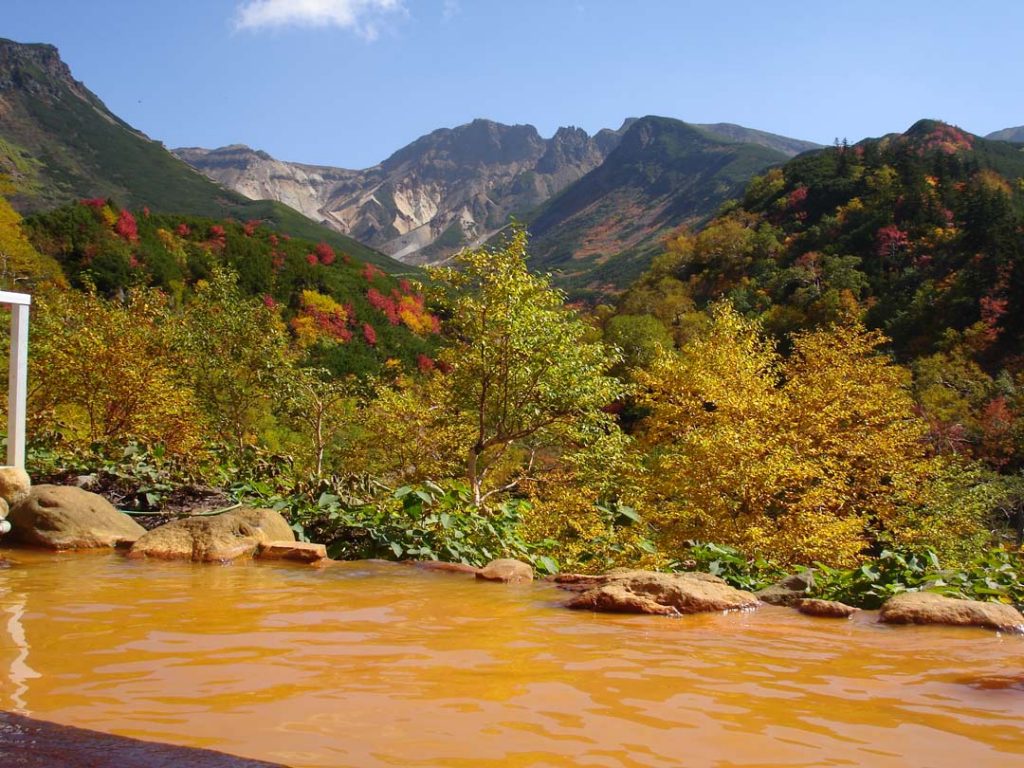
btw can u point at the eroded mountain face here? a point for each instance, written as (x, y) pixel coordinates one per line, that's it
(451, 188)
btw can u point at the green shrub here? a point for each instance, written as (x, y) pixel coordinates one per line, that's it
(422, 522)
(730, 564)
(994, 576)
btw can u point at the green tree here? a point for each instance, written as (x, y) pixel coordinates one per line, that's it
(320, 408)
(640, 337)
(522, 371)
(234, 349)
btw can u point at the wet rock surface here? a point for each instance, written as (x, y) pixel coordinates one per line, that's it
(660, 594)
(297, 551)
(216, 538)
(788, 592)
(507, 571)
(932, 608)
(438, 565)
(29, 743)
(826, 609)
(63, 517)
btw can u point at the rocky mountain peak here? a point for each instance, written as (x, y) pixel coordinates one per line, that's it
(38, 69)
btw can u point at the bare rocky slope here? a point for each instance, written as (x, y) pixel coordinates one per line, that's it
(451, 188)
(1008, 134)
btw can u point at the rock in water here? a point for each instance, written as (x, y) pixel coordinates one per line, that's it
(438, 565)
(663, 594)
(506, 570)
(217, 538)
(14, 484)
(932, 608)
(826, 609)
(298, 551)
(63, 517)
(788, 592)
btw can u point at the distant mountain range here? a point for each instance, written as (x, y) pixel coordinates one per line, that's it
(601, 232)
(453, 187)
(59, 143)
(450, 188)
(597, 206)
(1008, 134)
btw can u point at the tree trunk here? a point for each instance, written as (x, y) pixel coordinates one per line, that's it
(472, 472)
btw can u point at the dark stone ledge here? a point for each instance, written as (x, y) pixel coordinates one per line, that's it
(29, 743)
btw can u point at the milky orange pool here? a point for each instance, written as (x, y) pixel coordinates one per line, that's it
(373, 664)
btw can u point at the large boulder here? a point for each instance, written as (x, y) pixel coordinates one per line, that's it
(214, 539)
(932, 608)
(14, 484)
(63, 517)
(506, 570)
(662, 594)
(788, 592)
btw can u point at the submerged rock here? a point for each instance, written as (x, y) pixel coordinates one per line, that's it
(826, 609)
(662, 594)
(299, 551)
(438, 565)
(15, 485)
(217, 538)
(932, 608)
(63, 517)
(788, 592)
(506, 570)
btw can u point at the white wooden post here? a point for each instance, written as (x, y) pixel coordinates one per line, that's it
(17, 376)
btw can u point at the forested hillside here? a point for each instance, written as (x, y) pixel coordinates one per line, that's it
(921, 234)
(351, 315)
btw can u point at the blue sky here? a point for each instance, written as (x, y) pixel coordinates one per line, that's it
(347, 82)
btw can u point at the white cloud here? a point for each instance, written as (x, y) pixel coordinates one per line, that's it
(450, 9)
(361, 16)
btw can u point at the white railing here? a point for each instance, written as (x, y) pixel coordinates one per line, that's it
(17, 376)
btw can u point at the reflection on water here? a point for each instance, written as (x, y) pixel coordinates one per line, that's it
(19, 672)
(383, 665)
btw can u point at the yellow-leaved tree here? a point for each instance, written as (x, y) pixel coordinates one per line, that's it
(21, 265)
(524, 373)
(105, 371)
(805, 458)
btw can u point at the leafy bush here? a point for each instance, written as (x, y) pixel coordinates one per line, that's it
(731, 565)
(871, 584)
(995, 576)
(422, 522)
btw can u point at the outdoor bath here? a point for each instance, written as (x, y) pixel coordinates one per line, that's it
(379, 664)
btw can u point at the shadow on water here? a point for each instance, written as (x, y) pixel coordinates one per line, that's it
(29, 743)
(994, 682)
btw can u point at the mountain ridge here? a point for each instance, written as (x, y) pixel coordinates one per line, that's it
(59, 143)
(1015, 134)
(447, 189)
(451, 188)
(602, 231)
